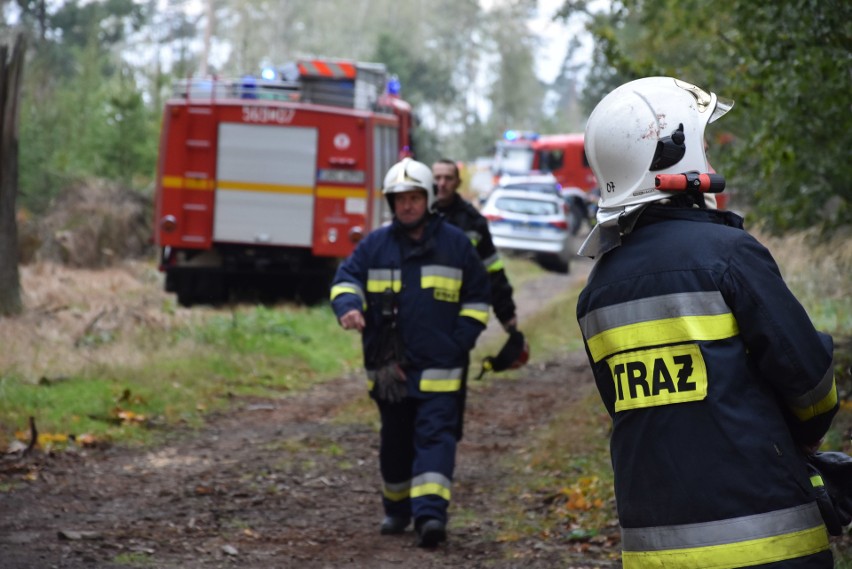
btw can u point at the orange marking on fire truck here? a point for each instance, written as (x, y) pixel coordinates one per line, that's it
(258, 187)
(179, 183)
(332, 192)
(334, 69)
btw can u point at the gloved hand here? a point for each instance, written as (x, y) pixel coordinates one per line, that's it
(391, 385)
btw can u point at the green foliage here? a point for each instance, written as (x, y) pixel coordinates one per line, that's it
(786, 64)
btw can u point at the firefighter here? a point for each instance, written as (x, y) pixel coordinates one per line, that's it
(418, 294)
(717, 383)
(463, 215)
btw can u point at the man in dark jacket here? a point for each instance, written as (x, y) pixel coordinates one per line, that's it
(418, 293)
(717, 382)
(463, 215)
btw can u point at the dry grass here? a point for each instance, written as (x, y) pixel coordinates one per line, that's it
(70, 312)
(826, 265)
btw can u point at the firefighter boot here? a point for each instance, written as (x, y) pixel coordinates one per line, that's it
(430, 532)
(393, 525)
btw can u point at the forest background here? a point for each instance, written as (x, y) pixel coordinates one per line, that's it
(97, 73)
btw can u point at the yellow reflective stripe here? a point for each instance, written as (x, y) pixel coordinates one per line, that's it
(381, 286)
(659, 332)
(816, 481)
(433, 483)
(732, 555)
(348, 288)
(818, 400)
(440, 385)
(437, 281)
(495, 266)
(397, 492)
(431, 488)
(476, 314)
(436, 380)
(260, 187)
(826, 404)
(344, 288)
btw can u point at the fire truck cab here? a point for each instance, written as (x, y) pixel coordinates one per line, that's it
(563, 155)
(266, 183)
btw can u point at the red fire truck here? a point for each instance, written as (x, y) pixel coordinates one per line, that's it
(265, 183)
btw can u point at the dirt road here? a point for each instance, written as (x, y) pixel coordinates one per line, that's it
(287, 483)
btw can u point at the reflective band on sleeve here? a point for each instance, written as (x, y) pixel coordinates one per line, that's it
(371, 379)
(396, 491)
(438, 276)
(818, 400)
(477, 311)
(474, 236)
(441, 380)
(431, 483)
(726, 544)
(816, 481)
(348, 288)
(493, 263)
(379, 280)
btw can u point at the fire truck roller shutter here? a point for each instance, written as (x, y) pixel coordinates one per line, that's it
(385, 154)
(265, 182)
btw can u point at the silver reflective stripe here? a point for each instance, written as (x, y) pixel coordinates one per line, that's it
(653, 308)
(721, 532)
(442, 374)
(381, 274)
(398, 486)
(482, 306)
(491, 260)
(441, 271)
(431, 478)
(347, 287)
(818, 393)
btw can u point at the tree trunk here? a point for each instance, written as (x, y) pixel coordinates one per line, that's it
(11, 70)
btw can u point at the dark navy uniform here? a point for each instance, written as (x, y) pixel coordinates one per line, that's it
(467, 218)
(714, 377)
(441, 290)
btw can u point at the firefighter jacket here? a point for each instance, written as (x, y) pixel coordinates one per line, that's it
(713, 375)
(467, 218)
(440, 293)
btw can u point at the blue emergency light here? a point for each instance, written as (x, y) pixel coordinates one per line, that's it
(512, 135)
(268, 73)
(394, 86)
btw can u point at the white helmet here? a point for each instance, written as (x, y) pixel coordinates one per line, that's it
(409, 175)
(644, 128)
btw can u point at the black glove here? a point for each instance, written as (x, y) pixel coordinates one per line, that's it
(391, 385)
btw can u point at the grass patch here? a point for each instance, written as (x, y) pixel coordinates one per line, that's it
(189, 367)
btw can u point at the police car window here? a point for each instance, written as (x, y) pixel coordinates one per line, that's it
(527, 207)
(533, 187)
